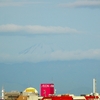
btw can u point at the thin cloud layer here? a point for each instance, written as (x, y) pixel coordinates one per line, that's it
(12, 3)
(82, 4)
(36, 29)
(53, 56)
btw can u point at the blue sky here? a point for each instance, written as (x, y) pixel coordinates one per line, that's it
(37, 31)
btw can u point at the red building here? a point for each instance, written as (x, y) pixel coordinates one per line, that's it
(47, 89)
(66, 97)
(69, 97)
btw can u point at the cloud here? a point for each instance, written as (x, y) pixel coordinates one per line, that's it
(36, 29)
(7, 3)
(82, 4)
(76, 55)
(53, 56)
(77, 3)
(10, 28)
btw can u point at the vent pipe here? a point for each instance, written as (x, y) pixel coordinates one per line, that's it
(94, 86)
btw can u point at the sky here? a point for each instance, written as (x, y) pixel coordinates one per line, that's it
(36, 31)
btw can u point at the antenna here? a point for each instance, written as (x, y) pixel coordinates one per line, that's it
(52, 80)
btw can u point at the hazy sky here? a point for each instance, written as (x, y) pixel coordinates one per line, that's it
(50, 30)
(70, 27)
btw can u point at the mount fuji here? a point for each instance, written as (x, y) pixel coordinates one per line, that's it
(41, 52)
(41, 48)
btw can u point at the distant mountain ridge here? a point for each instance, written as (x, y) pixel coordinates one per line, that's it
(41, 48)
(52, 52)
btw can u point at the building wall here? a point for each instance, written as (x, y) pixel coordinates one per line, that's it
(11, 95)
(32, 97)
(21, 97)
